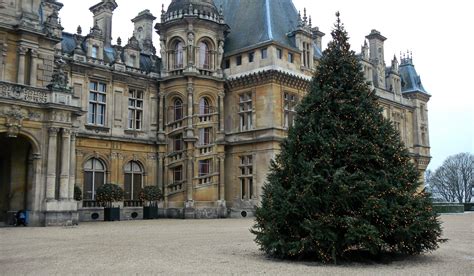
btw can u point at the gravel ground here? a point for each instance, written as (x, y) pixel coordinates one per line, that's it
(178, 247)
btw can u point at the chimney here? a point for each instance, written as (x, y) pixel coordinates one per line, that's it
(103, 13)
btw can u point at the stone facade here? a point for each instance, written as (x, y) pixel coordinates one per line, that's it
(202, 119)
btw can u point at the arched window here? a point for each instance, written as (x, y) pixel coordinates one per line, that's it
(204, 107)
(133, 180)
(94, 177)
(178, 55)
(204, 57)
(178, 109)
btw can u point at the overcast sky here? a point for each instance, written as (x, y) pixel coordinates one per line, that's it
(435, 31)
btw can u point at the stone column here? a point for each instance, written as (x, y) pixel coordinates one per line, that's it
(34, 67)
(65, 162)
(221, 177)
(72, 166)
(221, 112)
(161, 118)
(51, 165)
(21, 65)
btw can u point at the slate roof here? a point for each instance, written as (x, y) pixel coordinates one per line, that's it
(147, 62)
(411, 81)
(254, 22)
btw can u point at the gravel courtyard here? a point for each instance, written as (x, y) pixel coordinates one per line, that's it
(213, 247)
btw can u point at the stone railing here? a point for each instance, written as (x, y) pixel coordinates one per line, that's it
(24, 93)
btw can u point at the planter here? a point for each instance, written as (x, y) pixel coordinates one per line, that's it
(150, 212)
(112, 214)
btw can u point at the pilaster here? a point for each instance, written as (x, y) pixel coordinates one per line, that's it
(51, 165)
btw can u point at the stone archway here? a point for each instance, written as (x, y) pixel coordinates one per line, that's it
(16, 174)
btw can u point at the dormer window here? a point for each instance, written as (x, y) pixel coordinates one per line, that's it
(279, 53)
(264, 53)
(94, 51)
(291, 58)
(132, 61)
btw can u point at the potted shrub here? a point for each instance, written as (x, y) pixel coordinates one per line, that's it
(77, 193)
(106, 195)
(150, 195)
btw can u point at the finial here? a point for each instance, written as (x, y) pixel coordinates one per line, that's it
(79, 30)
(119, 41)
(310, 23)
(305, 18)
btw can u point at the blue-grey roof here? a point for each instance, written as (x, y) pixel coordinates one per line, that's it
(253, 22)
(147, 62)
(411, 81)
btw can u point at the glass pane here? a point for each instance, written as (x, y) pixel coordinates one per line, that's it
(250, 180)
(88, 165)
(102, 87)
(99, 180)
(136, 167)
(137, 185)
(242, 188)
(88, 186)
(128, 186)
(101, 98)
(98, 166)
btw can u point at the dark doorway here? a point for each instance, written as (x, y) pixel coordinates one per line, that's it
(16, 174)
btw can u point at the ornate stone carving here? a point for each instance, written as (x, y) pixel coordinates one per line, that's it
(14, 122)
(53, 131)
(27, 94)
(60, 79)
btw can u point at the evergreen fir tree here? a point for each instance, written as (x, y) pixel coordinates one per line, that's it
(343, 181)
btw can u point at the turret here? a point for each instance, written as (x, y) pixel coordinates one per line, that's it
(103, 13)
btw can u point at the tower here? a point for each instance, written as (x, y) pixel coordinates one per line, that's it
(191, 135)
(376, 41)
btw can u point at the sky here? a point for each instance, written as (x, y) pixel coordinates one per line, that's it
(435, 31)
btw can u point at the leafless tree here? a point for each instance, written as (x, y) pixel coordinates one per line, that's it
(454, 180)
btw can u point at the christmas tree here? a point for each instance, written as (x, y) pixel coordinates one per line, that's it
(343, 182)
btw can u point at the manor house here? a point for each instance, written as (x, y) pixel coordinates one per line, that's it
(201, 117)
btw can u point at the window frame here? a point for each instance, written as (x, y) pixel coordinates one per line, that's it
(95, 104)
(133, 173)
(245, 111)
(93, 172)
(135, 109)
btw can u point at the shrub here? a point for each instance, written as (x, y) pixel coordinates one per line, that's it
(150, 194)
(77, 193)
(109, 193)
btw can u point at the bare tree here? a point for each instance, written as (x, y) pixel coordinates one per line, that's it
(454, 180)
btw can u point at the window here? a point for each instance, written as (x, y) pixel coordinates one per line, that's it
(204, 57)
(251, 56)
(178, 143)
(204, 107)
(289, 109)
(133, 180)
(422, 112)
(279, 53)
(291, 58)
(227, 63)
(178, 55)
(264, 53)
(94, 51)
(245, 112)
(177, 174)
(246, 177)
(238, 60)
(178, 109)
(205, 136)
(135, 109)
(306, 55)
(204, 167)
(94, 177)
(97, 103)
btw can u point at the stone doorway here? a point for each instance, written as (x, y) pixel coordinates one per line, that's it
(16, 175)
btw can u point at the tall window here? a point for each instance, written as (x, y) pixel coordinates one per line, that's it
(97, 103)
(94, 51)
(177, 174)
(178, 55)
(264, 53)
(204, 167)
(422, 112)
(279, 53)
(245, 111)
(205, 136)
(178, 109)
(246, 177)
(289, 109)
(135, 109)
(238, 60)
(94, 177)
(204, 106)
(133, 180)
(178, 144)
(291, 58)
(306, 54)
(204, 57)
(251, 56)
